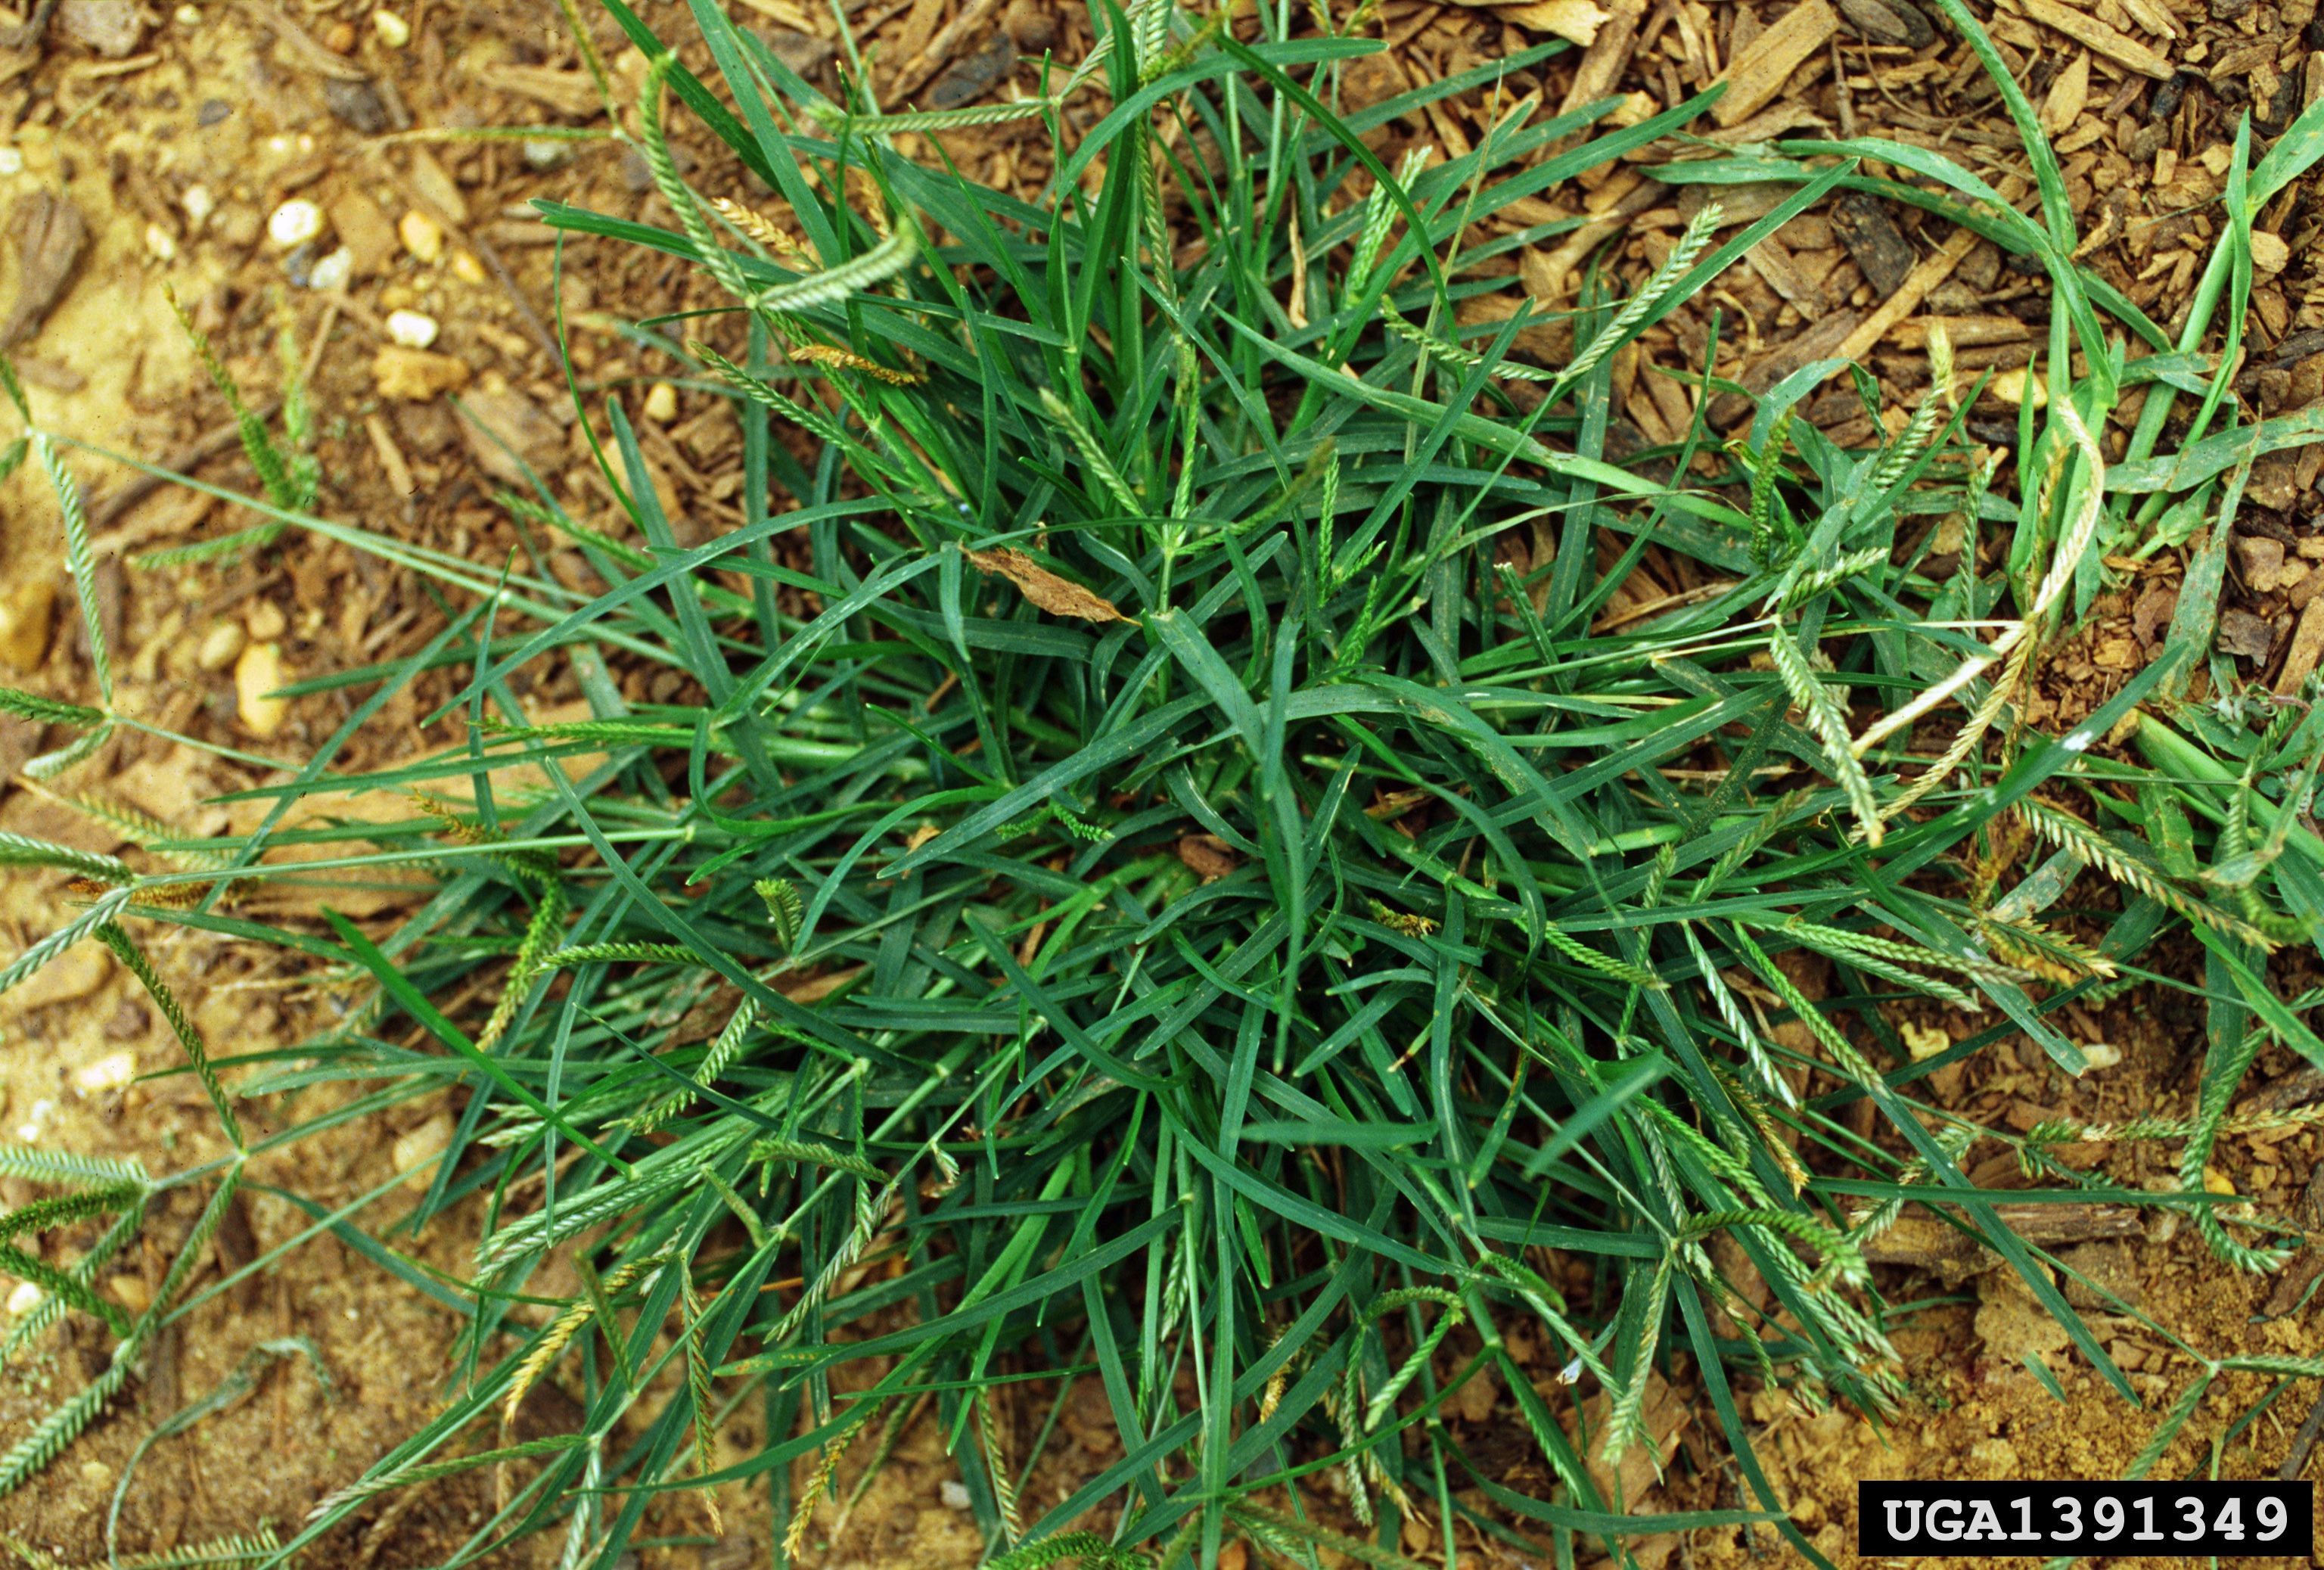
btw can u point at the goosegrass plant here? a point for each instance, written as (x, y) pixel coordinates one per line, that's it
(1185, 854)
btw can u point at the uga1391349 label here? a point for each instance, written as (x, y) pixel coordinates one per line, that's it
(1985, 1520)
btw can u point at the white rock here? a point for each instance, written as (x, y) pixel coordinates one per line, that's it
(199, 203)
(160, 243)
(411, 328)
(190, 16)
(107, 1073)
(25, 1299)
(334, 270)
(295, 223)
(954, 1494)
(394, 30)
(11, 161)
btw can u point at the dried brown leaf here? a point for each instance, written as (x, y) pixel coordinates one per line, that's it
(1044, 588)
(1207, 857)
(814, 988)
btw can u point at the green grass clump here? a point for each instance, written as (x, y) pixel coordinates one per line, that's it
(1190, 887)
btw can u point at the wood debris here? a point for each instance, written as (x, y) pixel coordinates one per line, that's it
(1760, 73)
(1607, 57)
(1871, 236)
(51, 235)
(1576, 20)
(2307, 645)
(567, 92)
(2085, 28)
(1921, 1239)
(1889, 22)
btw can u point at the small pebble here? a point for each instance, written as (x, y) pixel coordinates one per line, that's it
(334, 270)
(190, 16)
(394, 30)
(298, 266)
(212, 111)
(130, 1292)
(357, 105)
(294, 223)
(25, 1299)
(265, 620)
(220, 647)
(423, 236)
(363, 227)
(256, 675)
(340, 38)
(954, 1494)
(11, 161)
(417, 375)
(112, 28)
(661, 404)
(1030, 25)
(159, 243)
(466, 268)
(543, 154)
(413, 329)
(110, 1072)
(199, 203)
